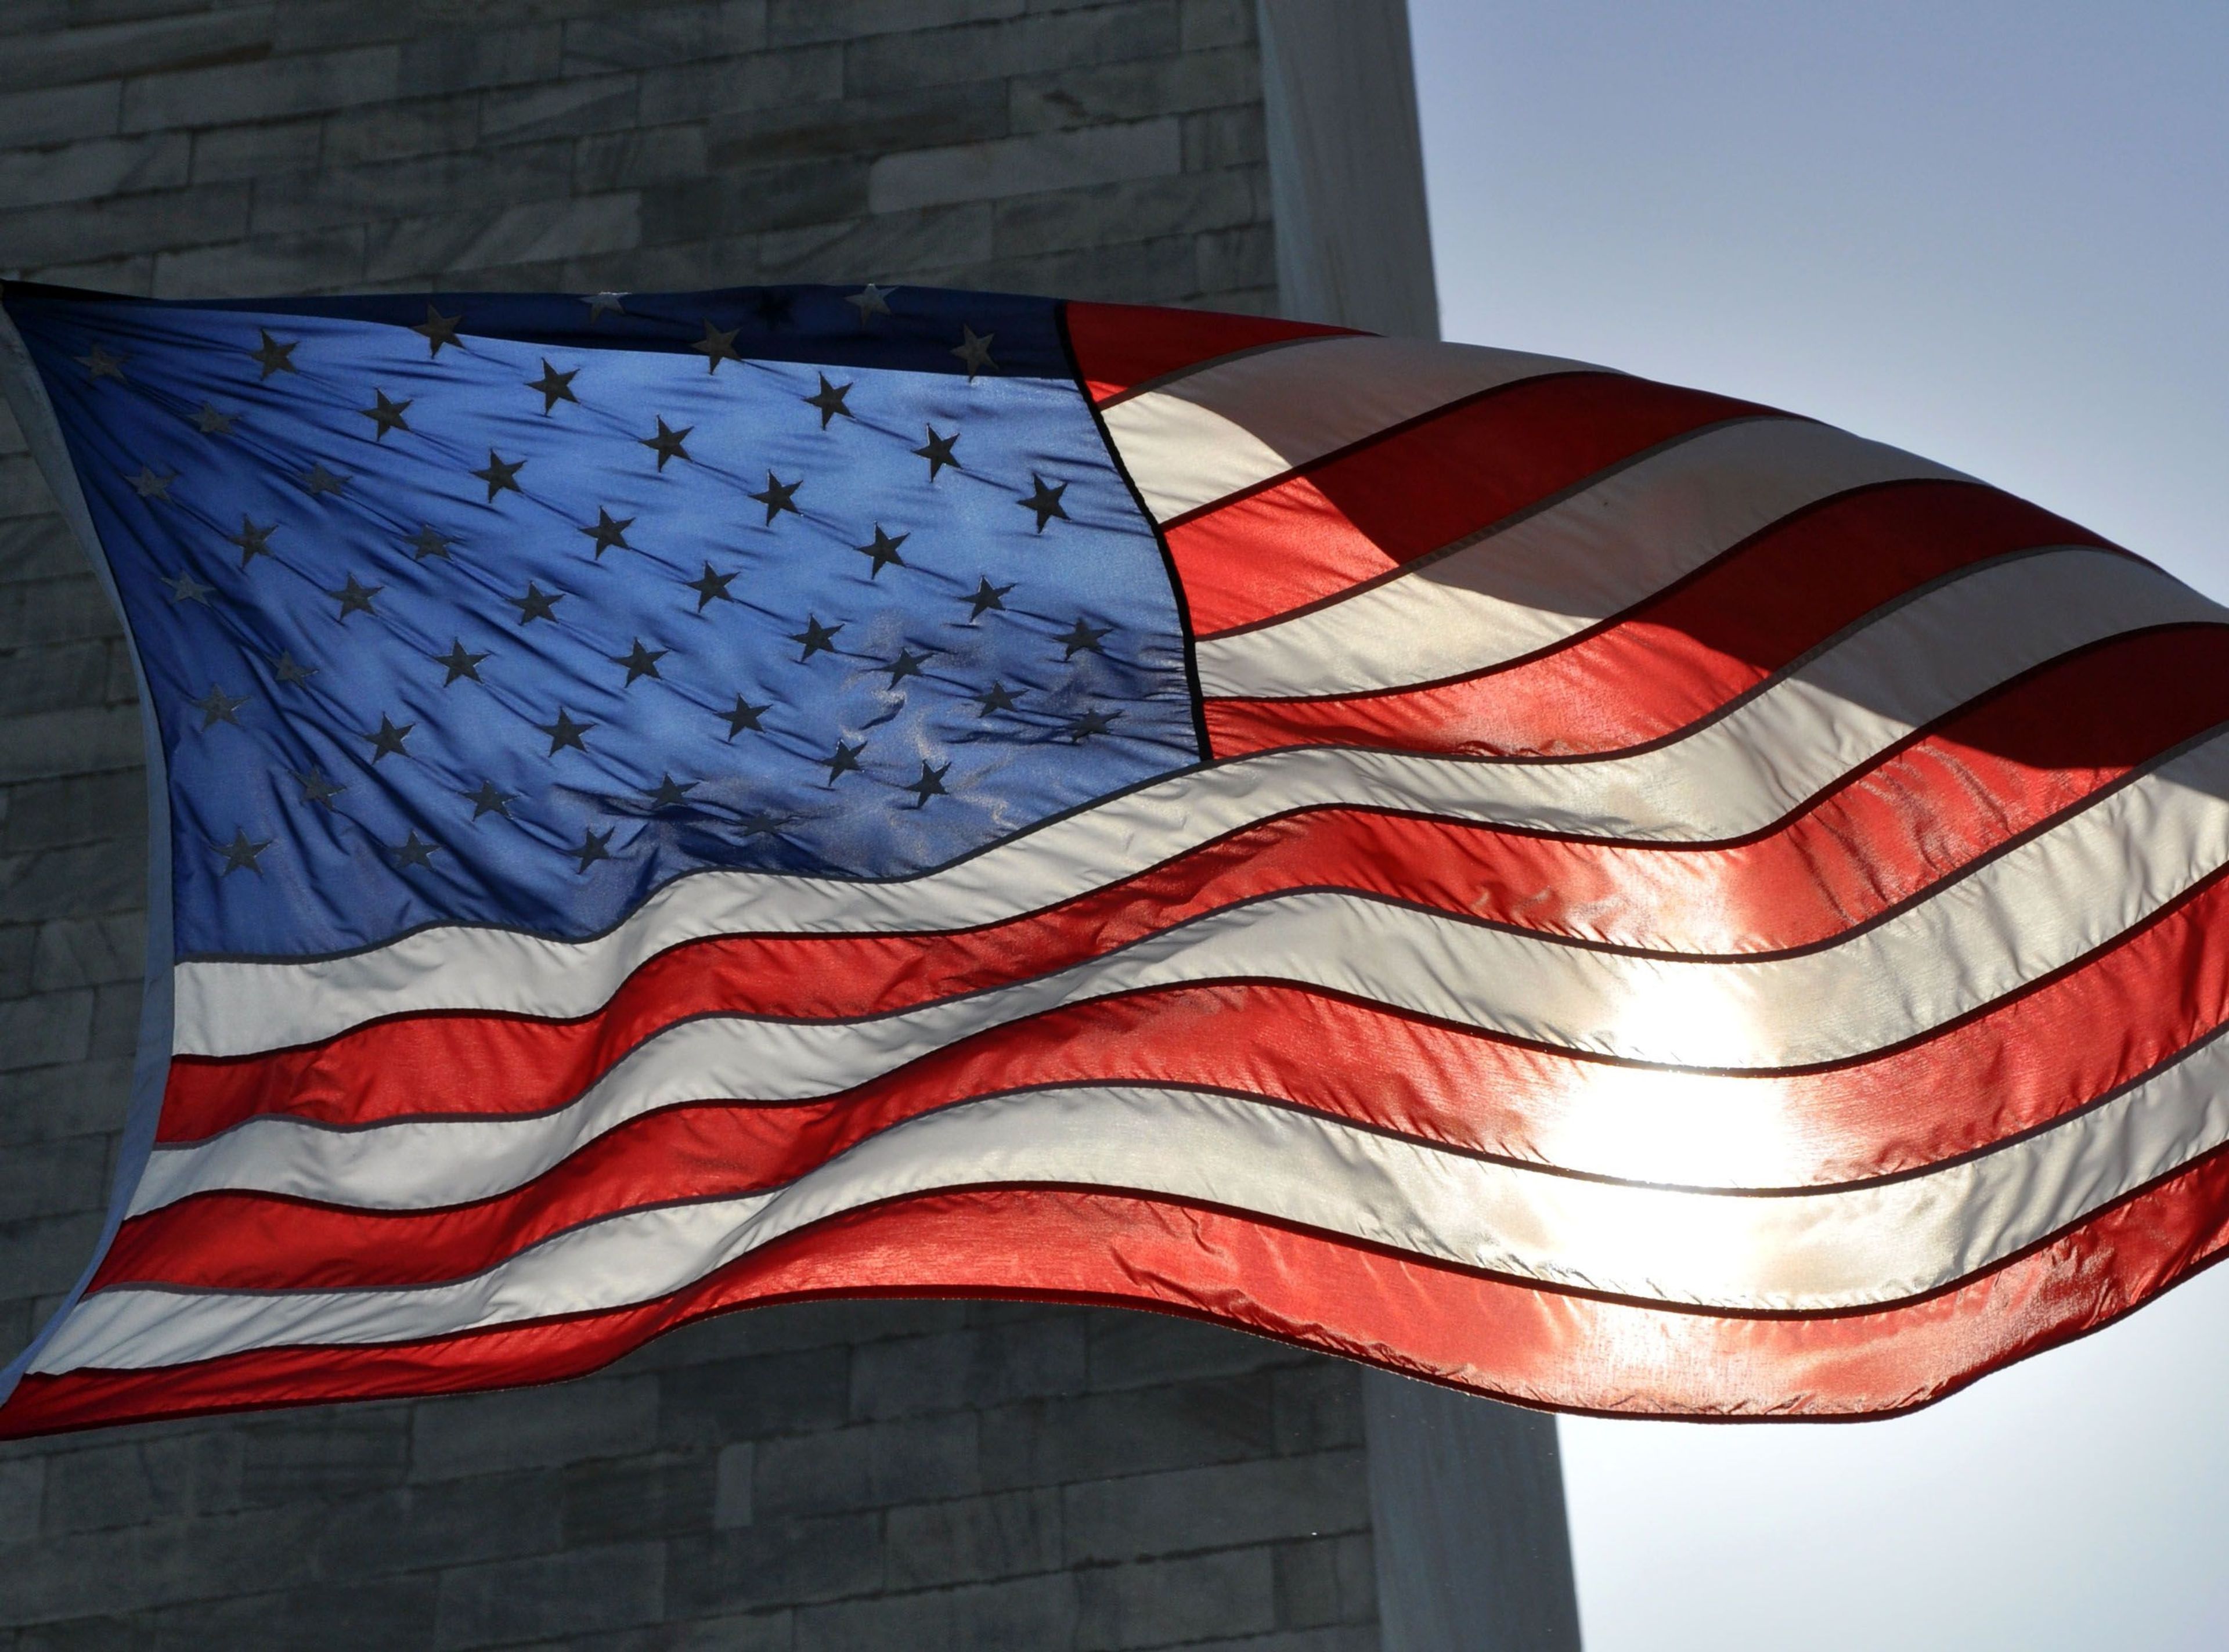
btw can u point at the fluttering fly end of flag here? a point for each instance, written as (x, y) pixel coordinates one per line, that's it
(1601, 894)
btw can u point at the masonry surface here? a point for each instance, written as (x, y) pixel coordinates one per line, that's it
(924, 1474)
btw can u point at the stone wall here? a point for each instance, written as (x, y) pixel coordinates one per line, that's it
(928, 1475)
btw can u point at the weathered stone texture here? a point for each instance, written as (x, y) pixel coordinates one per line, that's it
(839, 1476)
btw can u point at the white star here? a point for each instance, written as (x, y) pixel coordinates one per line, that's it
(597, 303)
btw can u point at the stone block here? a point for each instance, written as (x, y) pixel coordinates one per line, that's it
(24, 491)
(726, 85)
(111, 949)
(222, 154)
(36, 547)
(983, 1365)
(1142, 210)
(1132, 1350)
(54, 678)
(918, 119)
(616, 1501)
(627, 160)
(1243, 256)
(391, 1616)
(23, 1490)
(132, 1568)
(55, 114)
(1345, 1637)
(144, 46)
(44, 1254)
(75, 882)
(1317, 1406)
(527, 1427)
(810, 20)
(412, 249)
(969, 1539)
(731, 1497)
(1160, 270)
(707, 1405)
(227, 93)
(653, 36)
(45, 1029)
(31, 177)
(1218, 23)
(1215, 1508)
(68, 1176)
(886, 245)
(109, 808)
(153, 1473)
(583, 1590)
(1159, 1603)
(77, 742)
(1025, 165)
(871, 1466)
(1030, 44)
(346, 1452)
(353, 195)
(1182, 1424)
(305, 261)
(418, 1527)
(773, 1564)
(78, 230)
(38, 611)
(770, 198)
(49, 1103)
(564, 108)
(115, 1032)
(467, 59)
(395, 130)
(1024, 1615)
(1220, 138)
(18, 949)
(1136, 90)
(770, 1631)
(1326, 1580)
(130, 273)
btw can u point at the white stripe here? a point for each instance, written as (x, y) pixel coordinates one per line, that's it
(1229, 426)
(1812, 1252)
(1546, 578)
(1734, 776)
(2032, 911)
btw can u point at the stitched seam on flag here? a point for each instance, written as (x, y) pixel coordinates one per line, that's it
(1385, 432)
(1177, 375)
(1202, 751)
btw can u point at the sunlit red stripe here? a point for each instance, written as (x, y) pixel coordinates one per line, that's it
(1119, 346)
(1422, 488)
(1687, 651)
(1517, 1341)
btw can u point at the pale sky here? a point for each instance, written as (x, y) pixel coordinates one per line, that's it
(1996, 235)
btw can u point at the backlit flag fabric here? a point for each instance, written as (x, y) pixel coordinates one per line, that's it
(1590, 891)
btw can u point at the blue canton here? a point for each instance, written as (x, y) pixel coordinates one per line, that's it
(511, 610)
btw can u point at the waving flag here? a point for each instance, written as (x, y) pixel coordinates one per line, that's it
(1595, 892)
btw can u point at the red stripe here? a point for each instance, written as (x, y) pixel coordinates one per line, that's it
(1119, 346)
(2029, 1060)
(1495, 1336)
(1422, 488)
(1686, 651)
(1997, 768)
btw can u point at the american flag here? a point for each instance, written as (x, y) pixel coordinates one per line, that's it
(1593, 892)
